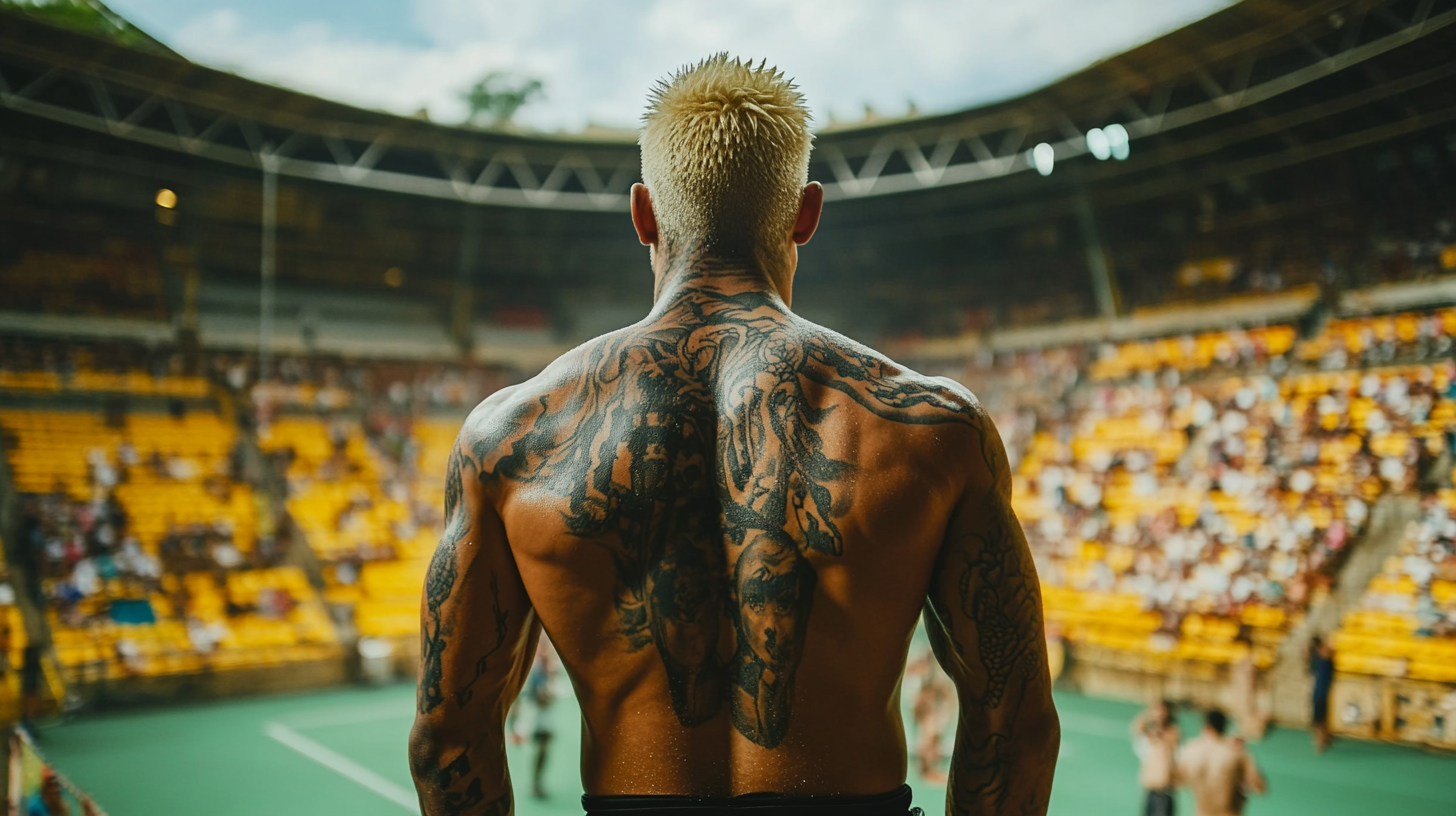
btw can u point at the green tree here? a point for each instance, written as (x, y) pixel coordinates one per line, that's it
(90, 16)
(496, 98)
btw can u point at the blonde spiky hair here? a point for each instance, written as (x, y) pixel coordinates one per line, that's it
(725, 155)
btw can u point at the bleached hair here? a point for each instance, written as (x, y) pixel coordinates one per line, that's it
(725, 155)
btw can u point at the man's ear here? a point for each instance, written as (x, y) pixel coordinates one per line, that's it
(811, 206)
(643, 218)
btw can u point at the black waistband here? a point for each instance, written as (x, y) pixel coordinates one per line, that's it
(894, 803)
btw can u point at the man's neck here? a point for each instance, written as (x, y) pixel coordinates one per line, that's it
(681, 273)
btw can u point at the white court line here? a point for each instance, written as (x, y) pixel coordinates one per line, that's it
(343, 766)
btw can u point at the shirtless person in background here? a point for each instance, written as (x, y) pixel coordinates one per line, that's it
(728, 519)
(1220, 771)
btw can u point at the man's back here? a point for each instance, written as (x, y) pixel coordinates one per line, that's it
(727, 519)
(1218, 772)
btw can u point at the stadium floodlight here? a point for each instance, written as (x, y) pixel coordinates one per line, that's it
(1098, 144)
(1043, 158)
(1118, 141)
(166, 199)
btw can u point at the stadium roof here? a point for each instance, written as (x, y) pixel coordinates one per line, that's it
(1236, 60)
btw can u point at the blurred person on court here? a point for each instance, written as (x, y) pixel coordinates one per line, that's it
(728, 520)
(932, 703)
(1155, 738)
(1218, 769)
(540, 690)
(1322, 672)
(1244, 684)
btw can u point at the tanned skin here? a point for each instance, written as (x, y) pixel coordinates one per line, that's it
(728, 520)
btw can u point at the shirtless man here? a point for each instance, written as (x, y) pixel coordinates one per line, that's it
(1155, 739)
(727, 519)
(1220, 771)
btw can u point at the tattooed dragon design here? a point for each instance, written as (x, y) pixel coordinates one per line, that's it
(689, 444)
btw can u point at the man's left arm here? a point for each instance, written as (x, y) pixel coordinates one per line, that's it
(478, 634)
(983, 615)
(1253, 777)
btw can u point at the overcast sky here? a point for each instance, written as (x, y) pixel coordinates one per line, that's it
(597, 58)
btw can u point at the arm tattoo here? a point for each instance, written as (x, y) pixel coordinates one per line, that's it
(451, 777)
(463, 695)
(439, 583)
(981, 771)
(440, 580)
(457, 521)
(693, 451)
(995, 590)
(998, 592)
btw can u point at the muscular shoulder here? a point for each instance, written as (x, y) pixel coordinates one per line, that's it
(529, 417)
(894, 391)
(882, 385)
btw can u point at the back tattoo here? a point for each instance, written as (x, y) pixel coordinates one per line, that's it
(688, 441)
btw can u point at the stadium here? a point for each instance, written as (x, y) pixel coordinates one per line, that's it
(1205, 287)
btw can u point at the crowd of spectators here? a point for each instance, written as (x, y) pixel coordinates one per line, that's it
(1428, 560)
(136, 534)
(313, 383)
(1212, 477)
(78, 547)
(324, 384)
(1222, 476)
(1212, 496)
(84, 546)
(1405, 623)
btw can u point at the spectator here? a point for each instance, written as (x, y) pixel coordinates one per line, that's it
(1322, 670)
(47, 801)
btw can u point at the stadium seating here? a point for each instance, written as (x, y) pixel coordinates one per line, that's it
(1192, 500)
(1186, 498)
(369, 502)
(13, 640)
(128, 383)
(119, 512)
(122, 281)
(1405, 625)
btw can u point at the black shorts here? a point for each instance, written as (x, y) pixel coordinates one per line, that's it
(1159, 803)
(894, 803)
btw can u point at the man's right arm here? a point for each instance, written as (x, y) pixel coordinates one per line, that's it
(984, 618)
(478, 635)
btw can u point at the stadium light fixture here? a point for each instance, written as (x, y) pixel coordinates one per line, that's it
(166, 199)
(1043, 158)
(1118, 141)
(1098, 144)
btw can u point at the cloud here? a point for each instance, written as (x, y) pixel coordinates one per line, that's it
(598, 59)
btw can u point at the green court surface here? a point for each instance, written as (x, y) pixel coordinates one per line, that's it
(343, 752)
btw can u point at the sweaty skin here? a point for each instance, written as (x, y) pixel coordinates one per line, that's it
(728, 519)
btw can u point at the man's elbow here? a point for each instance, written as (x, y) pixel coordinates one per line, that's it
(427, 747)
